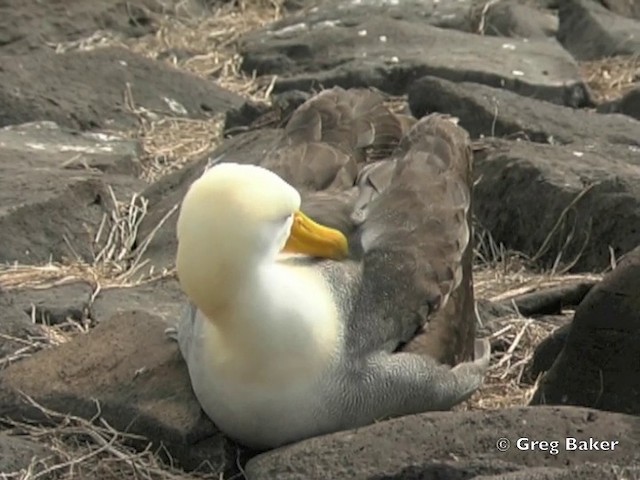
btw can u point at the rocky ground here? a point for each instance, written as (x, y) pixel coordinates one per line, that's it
(109, 109)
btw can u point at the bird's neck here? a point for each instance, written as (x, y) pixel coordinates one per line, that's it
(213, 282)
(251, 296)
(285, 317)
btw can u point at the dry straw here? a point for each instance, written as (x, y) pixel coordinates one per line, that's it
(611, 77)
(92, 448)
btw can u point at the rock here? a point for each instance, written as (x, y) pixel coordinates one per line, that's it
(246, 115)
(489, 311)
(447, 470)
(136, 375)
(54, 190)
(545, 305)
(290, 100)
(62, 88)
(101, 152)
(252, 115)
(454, 445)
(353, 47)
(16, 327)
(550, 301)
(588, 471)
(515, 19)
(591, 32)
(546, 353)
(54, 305)
(544, 4)
(165, 196)
(161, 298)
(574, 188)
(294, 5)
(629, 104)
(599, 365)
(19, 455)
(34, 25)
(450, 15)
(626, 8)
(496, 470)
(486, 111)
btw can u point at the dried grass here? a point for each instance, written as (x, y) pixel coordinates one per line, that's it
(612, 77)
(116, 262)
(83, 449)
(500, 275)
(52, 335)
(171, 143)
(207, 46)
(203, 43)
(516, 336)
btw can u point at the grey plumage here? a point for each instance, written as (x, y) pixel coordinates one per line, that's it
(408, 221)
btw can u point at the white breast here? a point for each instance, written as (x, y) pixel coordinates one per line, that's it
(263, 380)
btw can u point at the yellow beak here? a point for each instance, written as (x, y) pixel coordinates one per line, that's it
(311, 238)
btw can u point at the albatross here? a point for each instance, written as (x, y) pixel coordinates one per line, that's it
(308, 274)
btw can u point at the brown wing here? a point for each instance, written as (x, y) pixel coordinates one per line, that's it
(416, 247)
(331, 135)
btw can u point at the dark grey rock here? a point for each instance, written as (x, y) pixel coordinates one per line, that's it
(162, 298)
(252, 115)
(62, 88)
(19, 455)
(513, 18)
(626, 8)
(56, 304)
(101, 152)
(15, 328)
(240, 118)
(353, 47)
(28, 25)
(545, 4)
(135, 373)
(550, 301)
(54, 190)
(496, 470)
(295, 5)
(449, 470)
(489, 311)
(599, 365)
(546, 353)
(486, 111)
(630, 103)
(587, 471)
(590, 32)
(451, 15)
(453, 445)
(555, 203)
